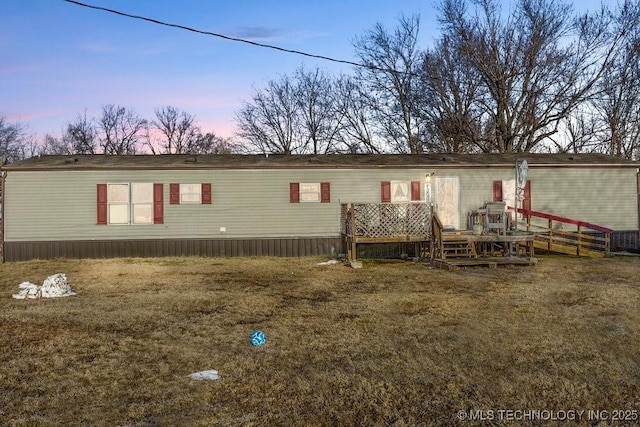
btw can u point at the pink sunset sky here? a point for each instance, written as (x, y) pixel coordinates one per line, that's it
(60, 59)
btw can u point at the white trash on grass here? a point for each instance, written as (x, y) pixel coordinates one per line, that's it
(330, 262)
(27, 290)
(54, 286)
(211, 374)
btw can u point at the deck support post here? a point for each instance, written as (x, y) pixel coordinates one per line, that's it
(579, 240)
(352, 220)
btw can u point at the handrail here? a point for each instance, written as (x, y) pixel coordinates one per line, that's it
(437, 222)
(582, 242)
(563, 219)
(437, 246)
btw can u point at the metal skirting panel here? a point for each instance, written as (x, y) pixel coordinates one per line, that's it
(625, 241)
(285, 247)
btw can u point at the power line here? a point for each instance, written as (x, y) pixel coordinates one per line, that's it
(262, 45)
(222, 36)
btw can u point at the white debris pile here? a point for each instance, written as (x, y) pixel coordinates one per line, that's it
(54, 286)
(205, 375)
(330, 262)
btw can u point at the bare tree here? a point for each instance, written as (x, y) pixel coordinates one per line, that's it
(618, 97)
(449, 95)
(120, 131)
(578, 133)
(80, 135)
(210, 143)
(390, 73)
(52, 145)
(178, 132)
(354, 113)
(316, 107)
(536, 66)
(14, 141)
(270, 122)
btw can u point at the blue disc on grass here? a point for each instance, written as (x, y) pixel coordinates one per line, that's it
(258, 338)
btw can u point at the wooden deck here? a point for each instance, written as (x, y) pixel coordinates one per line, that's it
(458, 248)
(454, 249)
(516, 243)
(495, 243)
(363, 223)
(490, 262)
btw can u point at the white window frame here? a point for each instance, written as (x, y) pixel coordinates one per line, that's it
(190, 194)
(114, 206)
(394, 190)
(145, 203)
(135, 205)
(309, 192)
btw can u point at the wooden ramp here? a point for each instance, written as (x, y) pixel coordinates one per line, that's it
(568, 236)
(566, 248)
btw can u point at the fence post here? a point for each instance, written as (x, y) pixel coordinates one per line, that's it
(550, 234)
(353, 231)
(579, 239)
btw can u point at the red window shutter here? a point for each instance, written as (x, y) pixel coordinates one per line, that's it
(385, 191)
(102, 203)
(174, 194)
(325, 192)
(415, 190)
(294, 192)
(206, 193)
(158, 204)
(497, 191)
(526, 201)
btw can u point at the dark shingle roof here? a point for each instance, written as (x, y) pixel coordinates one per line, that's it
(239, 161)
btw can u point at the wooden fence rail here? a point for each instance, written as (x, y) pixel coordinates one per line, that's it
(588, 239)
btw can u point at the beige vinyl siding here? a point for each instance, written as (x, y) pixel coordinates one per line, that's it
(61, 204)
(605, 197)
(602, 196)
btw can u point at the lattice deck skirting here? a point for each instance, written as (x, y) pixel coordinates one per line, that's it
(386, 221)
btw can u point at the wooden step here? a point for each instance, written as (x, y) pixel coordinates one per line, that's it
(458, 248)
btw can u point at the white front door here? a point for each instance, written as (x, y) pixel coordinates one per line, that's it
(447, 203)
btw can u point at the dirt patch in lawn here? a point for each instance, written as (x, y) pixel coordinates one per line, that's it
(393, 343)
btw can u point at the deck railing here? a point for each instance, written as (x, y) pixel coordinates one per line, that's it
(437, 245)
(386, 222)
(588, 239)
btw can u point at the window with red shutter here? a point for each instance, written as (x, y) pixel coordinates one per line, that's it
(325, 192)
(158, 204)
(385, 191)
(206, 193)
(294, 192)
(102, 204)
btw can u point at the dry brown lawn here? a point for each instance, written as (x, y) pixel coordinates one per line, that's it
(394, 343)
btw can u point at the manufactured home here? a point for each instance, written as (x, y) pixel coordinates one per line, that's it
(93, 206)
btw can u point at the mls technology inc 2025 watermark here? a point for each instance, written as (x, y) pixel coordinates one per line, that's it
(549, 415)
